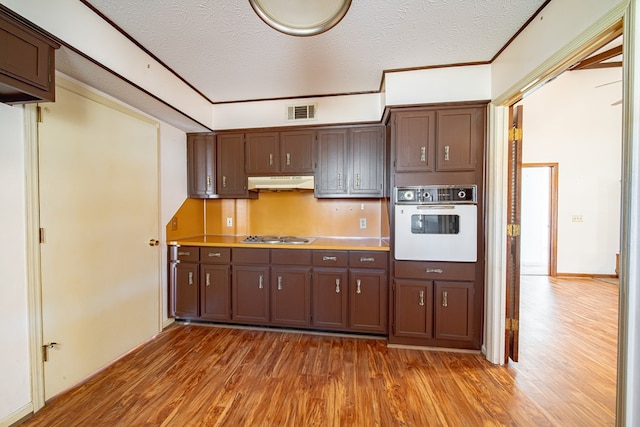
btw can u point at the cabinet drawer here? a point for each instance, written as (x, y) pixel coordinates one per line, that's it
(435, 270)
(291, 256)
(363, 259)
(330, 258)
(215, 255)
(188, 254)
(250, 256)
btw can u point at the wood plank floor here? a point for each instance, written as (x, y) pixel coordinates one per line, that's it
(192, 375)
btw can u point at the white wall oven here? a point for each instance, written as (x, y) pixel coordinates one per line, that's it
(436, 223)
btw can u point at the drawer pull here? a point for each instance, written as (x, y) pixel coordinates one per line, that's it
(444, 299)
(260, 282)
(367, 259)
(358, 290)
(214, 254)
(421, 299)
(184, 253)
(279, 283)
(191, 277)
(330, 258)
(337, 286)
(434, 270)
(208, 279)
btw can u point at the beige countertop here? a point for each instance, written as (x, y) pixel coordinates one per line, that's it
(333, 243)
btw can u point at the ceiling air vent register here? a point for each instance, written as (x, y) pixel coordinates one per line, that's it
(302, 112)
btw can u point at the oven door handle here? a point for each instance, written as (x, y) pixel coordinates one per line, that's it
(427, 207)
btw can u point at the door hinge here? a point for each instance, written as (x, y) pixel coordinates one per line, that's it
(41, 235)
(515, 134)
(513, 230)
(512, 324)
(39, 114)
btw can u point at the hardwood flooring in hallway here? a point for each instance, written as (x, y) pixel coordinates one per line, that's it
(209, 376)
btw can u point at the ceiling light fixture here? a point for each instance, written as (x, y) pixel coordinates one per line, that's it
(301, 18)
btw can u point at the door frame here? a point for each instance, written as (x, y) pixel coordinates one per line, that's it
(553, 214)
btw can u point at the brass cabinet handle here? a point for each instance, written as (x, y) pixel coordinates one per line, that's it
(367, 259)
(434, 270)
(224, 181)
(279, 283)
(444, 299)
(288, 159)
(208, 280)
(339, 180)
(270, 159)
(358, 290)
(446, 153)
(330, 258)
(214, 254)
(260, 282)
(191, 277)
(337, 286)
(357, 183)
(208, 181)
(421, 299)
(423, 154)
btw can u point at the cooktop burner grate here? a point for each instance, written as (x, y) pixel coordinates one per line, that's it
(291, 240)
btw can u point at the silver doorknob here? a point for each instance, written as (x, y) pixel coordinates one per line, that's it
(154, 242)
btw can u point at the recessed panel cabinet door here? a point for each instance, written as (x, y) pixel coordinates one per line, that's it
(330, 290)
(460, 134)
(414, 308)
(454, 310)
(262, 153)
(186, 303)
(250, 294)
(368, 300)
(331, 173)
(201, 160)
(291, 296)
(232, 180)
(296, 152)
(367, 158)
(415, 134)
(215, 298)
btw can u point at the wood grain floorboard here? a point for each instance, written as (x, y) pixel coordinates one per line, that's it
(194, 375)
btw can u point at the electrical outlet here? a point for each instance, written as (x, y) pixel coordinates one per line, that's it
(174, 223)
(229, 222)
(577, 218)
(363, 222)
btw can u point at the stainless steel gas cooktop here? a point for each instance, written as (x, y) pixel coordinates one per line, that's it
(289, 240)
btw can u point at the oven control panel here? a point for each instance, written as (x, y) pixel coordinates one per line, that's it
(439, 194)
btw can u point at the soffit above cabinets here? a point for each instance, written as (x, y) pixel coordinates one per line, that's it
(226, 52)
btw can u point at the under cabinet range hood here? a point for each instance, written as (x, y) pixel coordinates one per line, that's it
(280, 183)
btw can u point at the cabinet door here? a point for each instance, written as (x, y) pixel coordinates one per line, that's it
(232, 180)
(262, 155)
(200, 165)
(413, 309)
(215, 299)
(460, 133)
(368, 301)
(454, 310)
(330, 298)
(291, 296)
(250, 294)
(415, 133)
(186, 290)
(331, 172)
(296, 152)
(366, 175)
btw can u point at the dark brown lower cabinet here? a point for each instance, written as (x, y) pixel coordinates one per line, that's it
(215, 298)
(291, 296)
(413, 308)
(330, 291)
(250, 294)
(454, 310)
(186, 290)
(368, 300)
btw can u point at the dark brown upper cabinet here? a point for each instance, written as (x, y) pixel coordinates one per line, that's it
(350, 163)
(232, 180)
(279, 153)
(27, 61)
(460, 132)
(415, 135)
(201, 160)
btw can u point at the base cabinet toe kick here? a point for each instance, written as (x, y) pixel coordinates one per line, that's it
(329, 290)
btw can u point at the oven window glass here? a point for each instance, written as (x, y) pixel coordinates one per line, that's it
(435, 224)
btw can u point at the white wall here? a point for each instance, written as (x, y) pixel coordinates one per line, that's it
(15, 389)
(570, 121)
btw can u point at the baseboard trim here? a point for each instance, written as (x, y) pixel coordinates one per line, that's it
(592, 276)
(18, 416)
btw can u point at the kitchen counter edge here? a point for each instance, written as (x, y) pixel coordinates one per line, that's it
(326, 243)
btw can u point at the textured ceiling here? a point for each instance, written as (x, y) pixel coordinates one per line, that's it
(225, 51)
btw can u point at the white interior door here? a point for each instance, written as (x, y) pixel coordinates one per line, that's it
(535, 221)
(98, 167)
